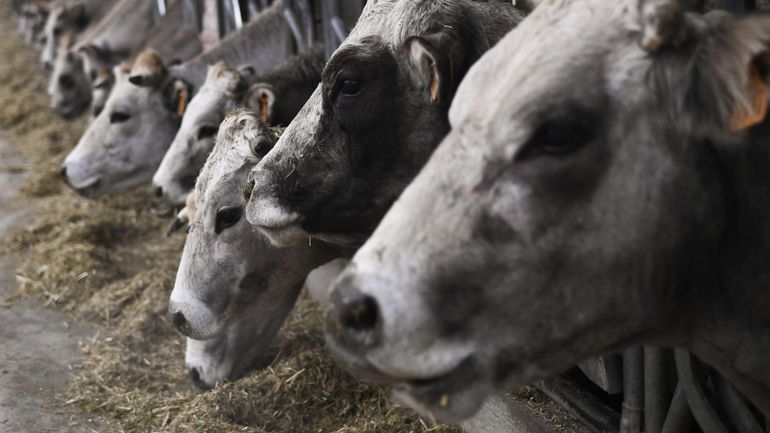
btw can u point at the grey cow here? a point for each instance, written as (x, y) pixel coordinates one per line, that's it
(379, 113)
(77, 66)
(604, 185)
(277, 95)
(125, 143)
(233, 290)
(69, 16)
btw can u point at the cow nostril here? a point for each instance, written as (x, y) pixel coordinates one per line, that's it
(248, 189)
(360, 314)
(63, 172)
(178, 320)
(158, 191)
(195, 376)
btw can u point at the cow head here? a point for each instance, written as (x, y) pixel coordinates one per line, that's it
(63, 17)
(223, 89)
(76, 70)
(595, 192)
(125, 142)
(34, 16)
(379, 113)
(233, 289)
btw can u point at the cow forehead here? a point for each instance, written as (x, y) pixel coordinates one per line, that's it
(394, 21)
(208, 100)
(230, 152)
(562, 53)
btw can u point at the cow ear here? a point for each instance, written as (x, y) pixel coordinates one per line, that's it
(261, 99)
(730, 83)
(148, 70)
(436, 60)
(178, 94)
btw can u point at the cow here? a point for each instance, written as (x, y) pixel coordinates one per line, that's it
(104, 44)
(32, 18)
(125, 143)
(69, 16)
(375, 119)
(277, 96)
(233, 289)
(604, 185)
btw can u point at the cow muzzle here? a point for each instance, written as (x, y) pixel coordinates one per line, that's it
(265, 212)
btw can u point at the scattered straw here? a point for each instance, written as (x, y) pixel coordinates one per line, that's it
(107, 261)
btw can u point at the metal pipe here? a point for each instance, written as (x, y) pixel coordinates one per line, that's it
(237, 17)
(291, 19)
(656, 389)
(326, 16)
(735, 407)
(584, 406)
(633, 390)
(679, 418)
(307, 19)
(339, 30)
(161, 7)
(694, 389)
(221, 19)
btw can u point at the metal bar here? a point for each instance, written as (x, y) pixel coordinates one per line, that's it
(237, 17)
(655, 389)
(221, 24)
(593, 413)
(291, 19)
(679, 418)
(736, 408)
(307, 20)
(692, 384)
(633, 390)
(161, 7)
(338, 28)
(325, 17)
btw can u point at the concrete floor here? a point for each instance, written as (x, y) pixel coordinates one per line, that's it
(37, 345)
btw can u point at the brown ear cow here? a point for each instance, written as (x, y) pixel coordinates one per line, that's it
(277, 96)
(125, 143)
(604, 185)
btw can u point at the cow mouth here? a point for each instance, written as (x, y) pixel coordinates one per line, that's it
(87, 188)
(283, 230)
(451, 396)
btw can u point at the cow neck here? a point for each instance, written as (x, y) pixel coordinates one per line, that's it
(735, 335)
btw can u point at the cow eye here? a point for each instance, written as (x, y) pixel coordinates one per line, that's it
(227, 217)
(119, 117)
(556, 138)
(261, 146)
(350, 87)
(207, 132)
